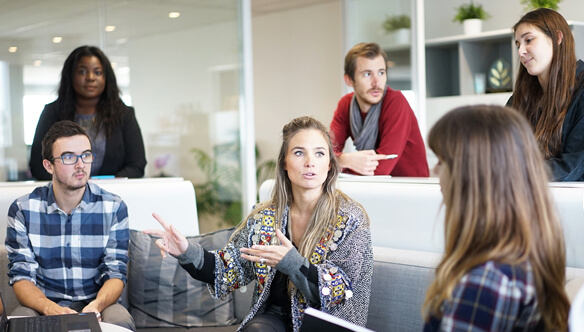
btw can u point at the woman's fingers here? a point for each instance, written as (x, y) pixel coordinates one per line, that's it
(155, 232)
(162, 222)
(283, 239)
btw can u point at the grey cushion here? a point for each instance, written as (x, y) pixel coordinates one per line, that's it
(163, 294)
(7, 293)
(400, 281)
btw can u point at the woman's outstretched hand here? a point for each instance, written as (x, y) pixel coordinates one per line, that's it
(171, 240)
(268, 254)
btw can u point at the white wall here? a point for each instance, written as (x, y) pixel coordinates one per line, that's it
(298, 68)
(504, 14)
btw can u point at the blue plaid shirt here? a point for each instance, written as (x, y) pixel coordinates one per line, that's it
(492, 297)
(68, 257)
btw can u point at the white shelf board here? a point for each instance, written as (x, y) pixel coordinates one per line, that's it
(486, 35)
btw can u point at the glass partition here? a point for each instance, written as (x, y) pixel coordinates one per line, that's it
(389, 24)
(393, 25)
(179, 64)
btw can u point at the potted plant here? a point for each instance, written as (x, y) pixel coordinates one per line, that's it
(399, 26)
(471, 15)
(534, 4)
(219, 195)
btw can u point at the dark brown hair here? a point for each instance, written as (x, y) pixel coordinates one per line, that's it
(497, 206)
(60, 129)
(547, 110)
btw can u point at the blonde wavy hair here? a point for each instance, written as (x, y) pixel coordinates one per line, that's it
(327, 206)
(497, 206)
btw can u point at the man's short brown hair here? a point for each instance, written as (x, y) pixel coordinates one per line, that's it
(60, 129)
(367, 50)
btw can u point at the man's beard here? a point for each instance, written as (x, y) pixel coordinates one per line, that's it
(73, 187)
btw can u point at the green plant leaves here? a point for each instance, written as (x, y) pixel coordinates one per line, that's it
(468, 11)
(534, 4)
(397, 22)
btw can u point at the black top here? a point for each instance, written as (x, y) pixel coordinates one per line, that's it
(124, 150)
(569, 164)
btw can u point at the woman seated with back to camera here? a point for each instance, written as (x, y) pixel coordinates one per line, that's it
(504, 256)
(89, 95)
(308, 246)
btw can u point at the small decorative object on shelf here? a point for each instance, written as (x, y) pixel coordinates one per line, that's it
(471, 16)
(399, 26)
(480, 82)
(534, 4)
(499, 76)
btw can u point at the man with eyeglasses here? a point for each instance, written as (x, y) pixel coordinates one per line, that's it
(67, 242)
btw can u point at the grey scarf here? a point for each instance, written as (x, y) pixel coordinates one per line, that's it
(364, 134)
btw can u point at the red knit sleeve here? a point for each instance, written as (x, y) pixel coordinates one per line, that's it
(340, 128)
(395, 122)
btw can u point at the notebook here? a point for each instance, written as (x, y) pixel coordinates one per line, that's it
(59, 323)
(316, 320)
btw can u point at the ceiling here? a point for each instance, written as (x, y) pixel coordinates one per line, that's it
(31, 24)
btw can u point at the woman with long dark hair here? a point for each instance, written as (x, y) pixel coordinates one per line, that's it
(89, 95)
(504, 255)
(549, 90)
(308, 246)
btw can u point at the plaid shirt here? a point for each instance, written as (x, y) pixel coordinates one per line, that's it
(491, 297)
(68, 257)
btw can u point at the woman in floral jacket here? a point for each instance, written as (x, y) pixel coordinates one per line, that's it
(308, 246)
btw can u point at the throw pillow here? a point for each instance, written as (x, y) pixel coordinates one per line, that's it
(162, 294)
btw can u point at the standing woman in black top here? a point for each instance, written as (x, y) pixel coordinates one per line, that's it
(549, 90)
(89, 95)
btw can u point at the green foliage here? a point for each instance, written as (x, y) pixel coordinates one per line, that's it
(220, 194)
(468, 11)
(534, 4)
(393, 23)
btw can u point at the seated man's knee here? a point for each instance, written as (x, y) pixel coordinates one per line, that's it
(117, 314)
(24, 312)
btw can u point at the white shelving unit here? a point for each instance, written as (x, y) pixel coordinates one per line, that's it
(451, 62)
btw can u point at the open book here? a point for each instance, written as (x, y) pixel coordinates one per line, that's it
(316, 320)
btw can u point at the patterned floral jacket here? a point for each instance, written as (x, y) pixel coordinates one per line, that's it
(345, 266)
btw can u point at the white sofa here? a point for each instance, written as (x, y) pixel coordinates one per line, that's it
(172, 198)
(406, 213)
(407, 218)
(406, 225)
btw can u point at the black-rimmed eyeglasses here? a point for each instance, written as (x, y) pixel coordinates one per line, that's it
(71, 159)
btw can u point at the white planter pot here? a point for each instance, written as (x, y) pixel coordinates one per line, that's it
(401, 36)
(472, 26)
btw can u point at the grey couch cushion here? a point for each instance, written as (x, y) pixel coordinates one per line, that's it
(400, 281)
(162, 294)
(7, 294)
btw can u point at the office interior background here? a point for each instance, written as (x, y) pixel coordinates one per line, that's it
(181, 64)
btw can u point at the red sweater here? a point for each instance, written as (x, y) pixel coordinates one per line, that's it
(398, 134)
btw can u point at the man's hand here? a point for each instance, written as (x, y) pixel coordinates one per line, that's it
(363, 162)
(93, 306)
(55, 309)
(30, 296)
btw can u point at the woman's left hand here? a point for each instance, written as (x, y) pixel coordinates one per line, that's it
(268, 254)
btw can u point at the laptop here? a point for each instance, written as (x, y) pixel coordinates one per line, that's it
(58, 323)
(316, 320)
